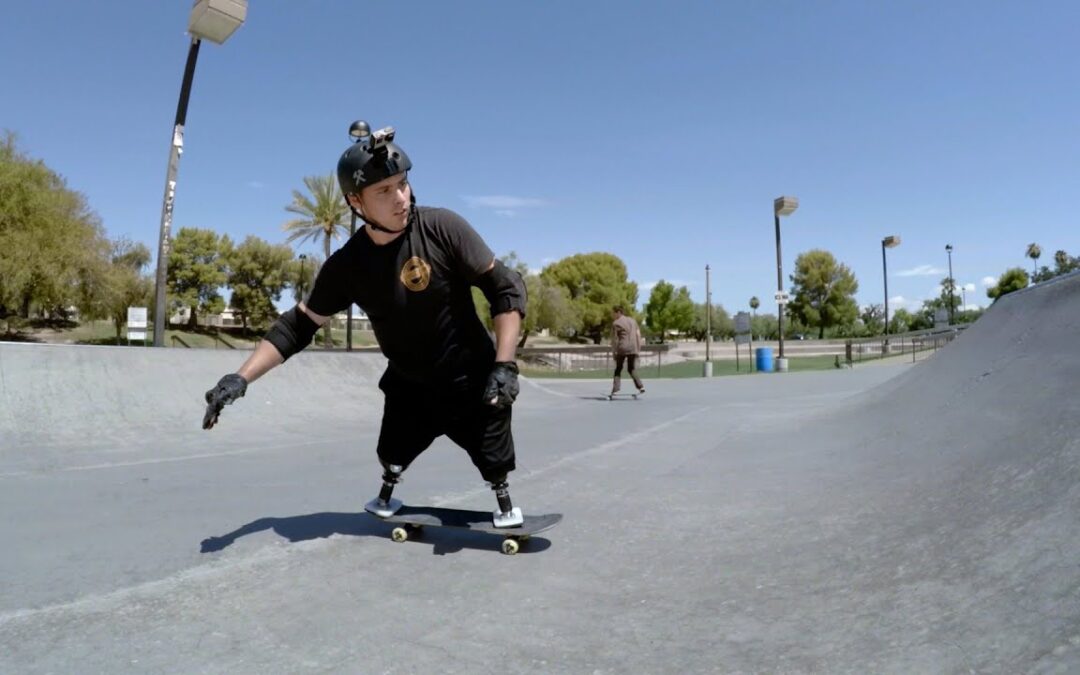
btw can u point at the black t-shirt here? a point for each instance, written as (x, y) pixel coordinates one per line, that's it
(417, 292)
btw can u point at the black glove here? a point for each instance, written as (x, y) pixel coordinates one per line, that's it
(502, 384)
(228, 389)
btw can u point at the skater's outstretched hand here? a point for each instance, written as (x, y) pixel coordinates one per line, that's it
(228, 389)
(502, 384)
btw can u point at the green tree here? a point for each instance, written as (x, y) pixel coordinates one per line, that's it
(669, 309)
(720, 322)
(132, 284)
(259, 272)
(1064, 263)
(197, 269)
(324, 216)
(595, 282)
(823, 292)
(950, 296)
(754, 303)
(901, 321)
(50, 241)
(1013, 279)
(1034, 251)
(873, 320)
(765, 327)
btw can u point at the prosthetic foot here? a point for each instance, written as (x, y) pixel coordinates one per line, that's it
(384, 505)
(506, 515)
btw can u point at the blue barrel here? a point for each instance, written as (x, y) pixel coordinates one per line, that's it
(764, 360)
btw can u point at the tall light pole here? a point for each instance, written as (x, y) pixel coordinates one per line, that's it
(892, 241)
(708, 324)
(952, 284)
(358, 130)
(303, 257)
(213, 20)
(782, 206)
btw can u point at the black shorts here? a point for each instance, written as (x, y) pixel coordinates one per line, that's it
(414, 416)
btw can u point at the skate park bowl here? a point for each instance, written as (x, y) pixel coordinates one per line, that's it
(893, 517)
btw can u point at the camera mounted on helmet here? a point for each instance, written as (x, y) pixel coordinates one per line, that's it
(372, 157)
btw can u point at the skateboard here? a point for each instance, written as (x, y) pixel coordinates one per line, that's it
(612, 397)
(411, 519)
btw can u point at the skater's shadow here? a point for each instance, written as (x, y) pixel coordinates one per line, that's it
(322, 525)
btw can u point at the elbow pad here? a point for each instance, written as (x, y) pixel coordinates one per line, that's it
(291, 332)
(504, 289)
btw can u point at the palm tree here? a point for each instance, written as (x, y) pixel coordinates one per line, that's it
(1033, 252)
(324, 214)
(754, 304)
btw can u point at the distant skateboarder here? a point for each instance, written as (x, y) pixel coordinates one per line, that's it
(626, 345)
(411, 269)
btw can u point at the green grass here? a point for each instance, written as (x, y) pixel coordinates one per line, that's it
(686, 369)
(104, 333)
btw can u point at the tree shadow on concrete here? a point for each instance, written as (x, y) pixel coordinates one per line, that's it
(321, 525)
(16, 336)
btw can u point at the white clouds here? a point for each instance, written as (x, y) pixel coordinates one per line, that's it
(921, 271)
(503, 205)
(900, 302)
(987, 282)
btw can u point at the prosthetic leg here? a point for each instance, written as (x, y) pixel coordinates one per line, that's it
(384, 505)
(506, 515)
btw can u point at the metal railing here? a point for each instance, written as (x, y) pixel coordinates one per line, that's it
(584, 359)
(857, 350)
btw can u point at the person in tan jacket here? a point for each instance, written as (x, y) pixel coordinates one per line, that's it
(626, 345)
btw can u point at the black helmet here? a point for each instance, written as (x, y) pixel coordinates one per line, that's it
(372, 158)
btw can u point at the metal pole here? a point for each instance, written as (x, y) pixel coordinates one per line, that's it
(708, 315)
(779, 286)
(175, 150)
(348, 327)
(885, 273)
(952, 284)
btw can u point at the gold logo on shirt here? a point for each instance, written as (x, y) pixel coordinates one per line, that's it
(416, 274)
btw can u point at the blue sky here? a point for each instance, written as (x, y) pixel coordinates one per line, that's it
(658, 131)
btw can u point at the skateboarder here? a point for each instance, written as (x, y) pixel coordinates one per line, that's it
(411, 269)
(626, 345)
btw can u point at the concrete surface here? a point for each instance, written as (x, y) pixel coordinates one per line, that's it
(902, 518)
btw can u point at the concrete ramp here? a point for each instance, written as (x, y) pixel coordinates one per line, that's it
(60, 402)
(934, 524)
(886, 519)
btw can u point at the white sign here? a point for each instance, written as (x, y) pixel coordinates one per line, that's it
(136, 317)
(136, 324)
(742, 338)
(782, 297)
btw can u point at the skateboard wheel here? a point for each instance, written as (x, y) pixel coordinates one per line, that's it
(510, 547)
(399, 534)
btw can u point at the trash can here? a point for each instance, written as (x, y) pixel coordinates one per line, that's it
(763, 359)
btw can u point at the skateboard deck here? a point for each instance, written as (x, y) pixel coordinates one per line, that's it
(413, 518)
(634, 394)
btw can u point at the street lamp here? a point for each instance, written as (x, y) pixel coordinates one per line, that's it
(358, 131)
(782, 206)
(213, 20)
(948, 249)
(303, 257)
(708, 325)
(892, 241)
